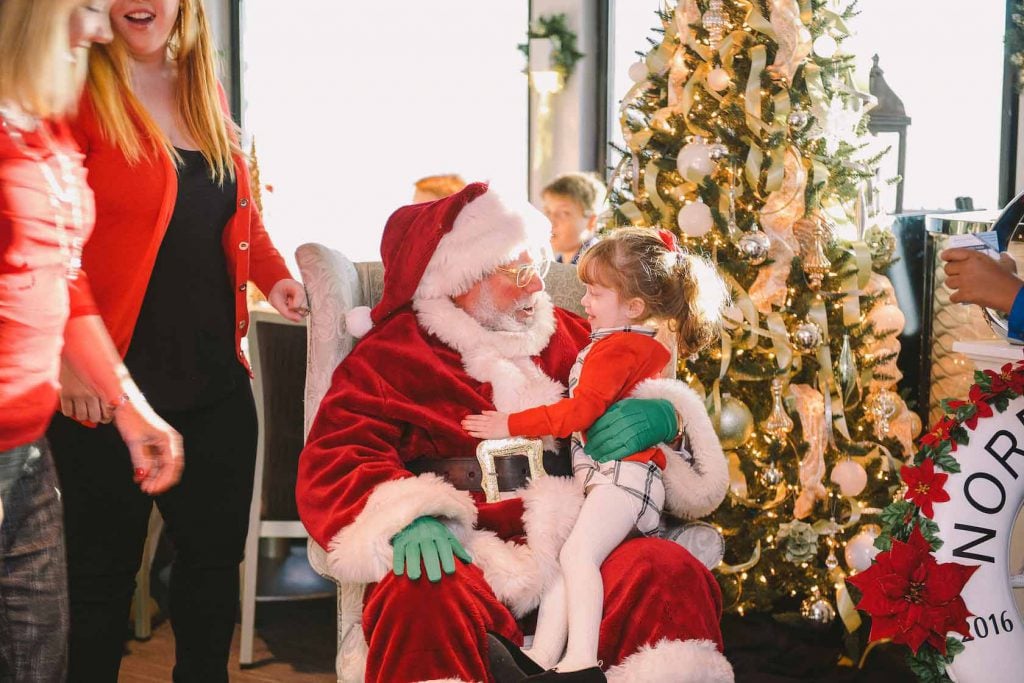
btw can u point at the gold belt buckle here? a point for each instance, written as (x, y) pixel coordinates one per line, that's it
(490, 449)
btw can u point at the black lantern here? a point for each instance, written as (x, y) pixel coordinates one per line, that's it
(887, 117)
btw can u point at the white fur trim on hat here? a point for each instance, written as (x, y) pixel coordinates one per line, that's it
(488, 232)
(674, 661)
(518, 573)
(361, 552)
(692, 489)
(358, 321)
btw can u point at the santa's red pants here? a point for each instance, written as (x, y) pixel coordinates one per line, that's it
(419, 631)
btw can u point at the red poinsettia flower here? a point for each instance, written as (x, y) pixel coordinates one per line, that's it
(979, 399)
(912, 598)
(939, 432)
(924, 485)
(1006, 378)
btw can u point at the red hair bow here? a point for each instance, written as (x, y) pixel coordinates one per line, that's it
(669, 239)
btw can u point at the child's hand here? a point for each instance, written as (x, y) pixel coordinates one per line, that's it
(489, 425)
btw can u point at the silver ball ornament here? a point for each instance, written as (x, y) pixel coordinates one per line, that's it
(817, 611)
(734, 424)
(797, 119)
(754, 247)
(717, 150)
(772, 476)
(807, 337)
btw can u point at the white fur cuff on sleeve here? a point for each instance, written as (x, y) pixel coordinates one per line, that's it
(361, 552)
(692, 489)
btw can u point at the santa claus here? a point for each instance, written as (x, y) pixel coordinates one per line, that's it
(388, 482)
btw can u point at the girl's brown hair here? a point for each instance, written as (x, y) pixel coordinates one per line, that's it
(676, 287)
(126, 123)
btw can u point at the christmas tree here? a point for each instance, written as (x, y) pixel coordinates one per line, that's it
(746, 134)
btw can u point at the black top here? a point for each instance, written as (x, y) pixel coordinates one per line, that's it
(182, 353)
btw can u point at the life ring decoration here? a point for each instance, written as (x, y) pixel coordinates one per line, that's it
(942, 583)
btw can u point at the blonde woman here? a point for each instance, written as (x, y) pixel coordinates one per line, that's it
(177, 238)
(46, 213)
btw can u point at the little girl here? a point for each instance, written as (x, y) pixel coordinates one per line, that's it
(634, 277)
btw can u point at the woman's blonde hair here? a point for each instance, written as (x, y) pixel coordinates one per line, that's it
(124, 120)
(676, 287)
(38, 72)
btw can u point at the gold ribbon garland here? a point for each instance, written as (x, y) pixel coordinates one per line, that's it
(651, 185)
(728, 569)
(780, 341)
(758, 60)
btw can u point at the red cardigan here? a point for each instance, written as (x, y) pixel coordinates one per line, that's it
(134, 203)
(612, 368)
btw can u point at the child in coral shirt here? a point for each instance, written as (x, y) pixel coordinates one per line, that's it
(633, 277)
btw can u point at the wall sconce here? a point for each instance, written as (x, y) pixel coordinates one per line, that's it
(545, 79)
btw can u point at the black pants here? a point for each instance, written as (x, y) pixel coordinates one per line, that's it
(206, 516)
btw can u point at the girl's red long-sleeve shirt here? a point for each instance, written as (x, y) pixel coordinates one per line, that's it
(612, 368)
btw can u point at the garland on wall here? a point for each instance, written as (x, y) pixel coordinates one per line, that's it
(564, 54)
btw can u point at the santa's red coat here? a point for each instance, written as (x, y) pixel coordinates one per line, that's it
(400, 395)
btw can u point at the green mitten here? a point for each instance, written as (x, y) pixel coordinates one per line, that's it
(428, 540)
(630, 426)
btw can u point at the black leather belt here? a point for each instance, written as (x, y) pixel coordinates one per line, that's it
(513, 472)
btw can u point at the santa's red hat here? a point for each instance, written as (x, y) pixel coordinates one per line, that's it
(442, 248)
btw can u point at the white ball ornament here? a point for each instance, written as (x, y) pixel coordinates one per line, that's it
(719, 79)
(695, 219)
(825, 46)
(860, 550)
(850, 476)
(638, 72)
(694, 160)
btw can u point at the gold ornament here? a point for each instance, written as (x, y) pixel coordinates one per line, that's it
(779, 423)
(815, 262)
(733, 423)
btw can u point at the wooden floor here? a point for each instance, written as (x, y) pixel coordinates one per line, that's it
(294, 643)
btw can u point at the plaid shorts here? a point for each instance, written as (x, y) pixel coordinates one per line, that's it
(641, 480)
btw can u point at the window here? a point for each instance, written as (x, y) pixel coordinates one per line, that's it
(632, 22)
(945, 61)
(943, 58)
(351, 103)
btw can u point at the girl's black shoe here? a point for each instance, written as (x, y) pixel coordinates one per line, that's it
(508, 663)
(591, 675)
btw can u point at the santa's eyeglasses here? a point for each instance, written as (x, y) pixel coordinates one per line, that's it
(526, 272)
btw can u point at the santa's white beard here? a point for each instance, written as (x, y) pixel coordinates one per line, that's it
(487, 313)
